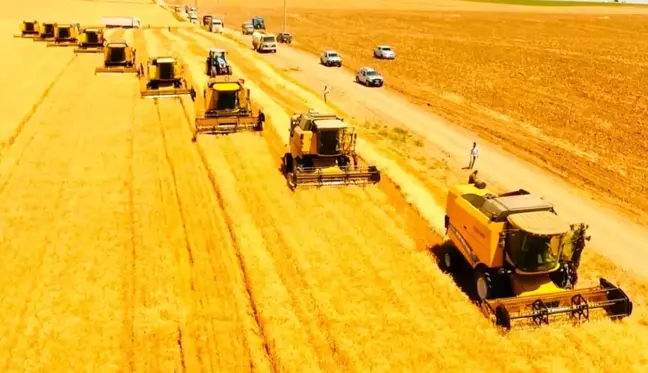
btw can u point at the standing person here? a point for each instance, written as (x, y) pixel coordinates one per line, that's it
(326, 92)
(474, 153)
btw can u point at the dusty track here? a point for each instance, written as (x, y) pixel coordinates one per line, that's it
(129, 248)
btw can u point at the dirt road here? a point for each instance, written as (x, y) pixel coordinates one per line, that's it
(129, 248)
(610, 230)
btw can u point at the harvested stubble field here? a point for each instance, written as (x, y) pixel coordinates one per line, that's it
(128, 248)
(566, 91)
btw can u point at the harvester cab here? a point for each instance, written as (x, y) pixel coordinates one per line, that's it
(119, 57)
(91, 40)
(65, 35)
(322, 153)
(258, 23)
(46, 32)
(165, 77)
(29, 29)
(524, 258)
(227, 108)
(217, 63)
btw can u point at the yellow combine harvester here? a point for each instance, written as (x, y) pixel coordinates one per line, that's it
(322, 153)
(119, 57)
(45, 32)
(28, 29)
(91, 40)
(227, 109)
(165, 77)
(524, 258)
(65, 35)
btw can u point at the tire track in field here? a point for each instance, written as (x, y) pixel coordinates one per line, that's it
(180, 151)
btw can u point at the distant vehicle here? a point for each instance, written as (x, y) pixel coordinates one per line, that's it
(125, 22)
(258, 23)
(284, 37)
(369, 77)
(247, 28)
(217, 25)
(262, 42)
(384, 52)
(217, 63)
(331, 58)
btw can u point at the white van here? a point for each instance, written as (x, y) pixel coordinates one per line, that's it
(262, 42)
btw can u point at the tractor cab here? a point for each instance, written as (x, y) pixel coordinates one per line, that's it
(217, 63)
(258, 23)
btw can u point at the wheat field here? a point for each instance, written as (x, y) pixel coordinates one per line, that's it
(563, 87)
(129, 248)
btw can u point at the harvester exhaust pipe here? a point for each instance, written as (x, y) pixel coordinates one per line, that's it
(576, 304)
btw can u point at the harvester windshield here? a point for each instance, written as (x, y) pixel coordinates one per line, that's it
(328, 142)
(64, 32)
(533, 253)
(227, 100)
(535, 244)
(117, 54)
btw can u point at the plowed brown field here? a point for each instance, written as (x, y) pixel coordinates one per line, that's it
(565, 91)
(129, 248)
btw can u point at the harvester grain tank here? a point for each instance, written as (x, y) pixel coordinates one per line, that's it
(524, 258)
(65, 35)
(119, 57)
(227, 108)
(29, 29)
(91, 40)
(164, 76)
(322, 153)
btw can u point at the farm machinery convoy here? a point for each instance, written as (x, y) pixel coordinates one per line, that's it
(523, 258)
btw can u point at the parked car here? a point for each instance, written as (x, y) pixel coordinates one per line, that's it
(369, 77)
(284, 37)
(384, 52)
(331, 58)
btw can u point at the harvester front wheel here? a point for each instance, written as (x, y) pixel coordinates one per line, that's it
(565, 277)
(484, 287)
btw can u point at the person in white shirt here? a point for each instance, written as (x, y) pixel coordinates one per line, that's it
(326, 92)
(474, 153)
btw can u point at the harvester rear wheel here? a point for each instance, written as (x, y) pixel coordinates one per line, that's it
(446, 255)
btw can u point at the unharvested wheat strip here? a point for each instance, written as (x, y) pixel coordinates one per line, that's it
(160, 283)
(75, 282)
(27, 93)
(286, 337)
(305, 248)
(235, 320)
(265, 200)
(232, 345)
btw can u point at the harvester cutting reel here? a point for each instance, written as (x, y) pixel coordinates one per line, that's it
(575, 304)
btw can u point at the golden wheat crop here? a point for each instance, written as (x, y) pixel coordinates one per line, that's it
(129, 248)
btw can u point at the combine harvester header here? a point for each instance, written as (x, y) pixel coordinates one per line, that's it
(123, 22)
(322, 153)
(524, 258)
